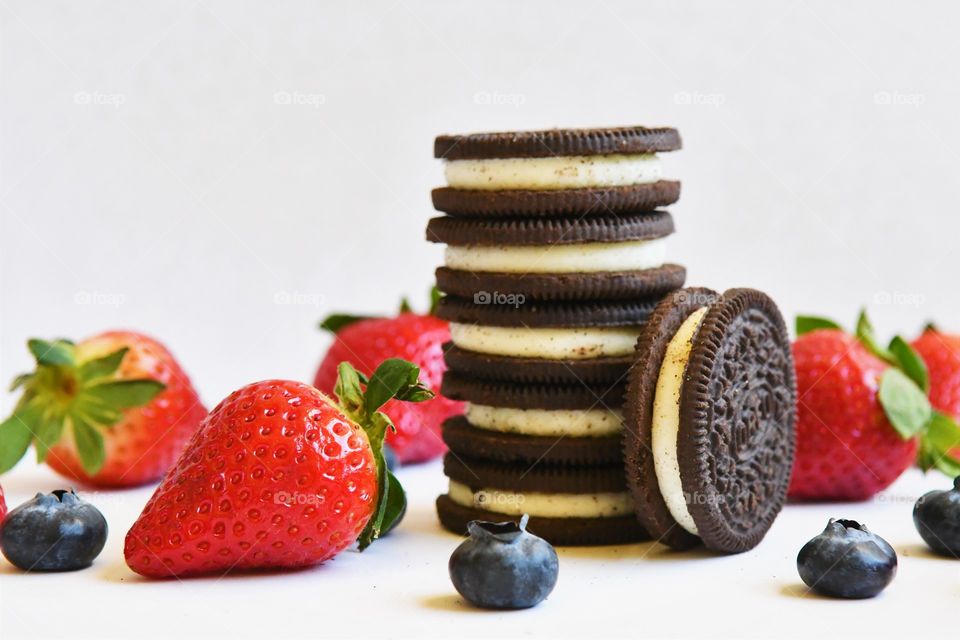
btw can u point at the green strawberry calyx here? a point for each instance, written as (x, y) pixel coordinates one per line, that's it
(903, 395)
(335, 322)
(68, 397)
(360, 399)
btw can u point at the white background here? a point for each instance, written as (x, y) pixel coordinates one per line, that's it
(154, 178)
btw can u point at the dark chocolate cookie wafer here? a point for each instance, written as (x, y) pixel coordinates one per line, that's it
(463, 439)
(638, 438)
(737, 407)
(529, 203)
(540, 478)
(562, 532)
(531, 396)
(556, 142)
(550, 287)
(549, 231)
(591, 371)
(624, 313)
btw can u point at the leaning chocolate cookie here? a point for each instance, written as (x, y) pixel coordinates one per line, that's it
(711, 403)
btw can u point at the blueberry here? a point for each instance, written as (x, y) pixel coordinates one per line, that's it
(937, 518)
(502, 566)
(53, 532)
(847, 561)
(390, 456)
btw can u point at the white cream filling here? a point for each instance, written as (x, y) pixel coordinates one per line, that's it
(590, 257)
(544, 505)
(559, 172)
(666, 420)
(546, 422)
(549, 344)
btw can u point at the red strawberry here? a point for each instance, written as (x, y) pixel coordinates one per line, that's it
(941, 353)
(113, 411)
(366, 343)
(846, 447)
(278, 475)
(3, 505)
(862, 413)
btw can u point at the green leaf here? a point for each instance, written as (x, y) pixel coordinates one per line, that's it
(405, 305)
(21, 380)
(396, 503)
(806, 324)
(102, 367)
(939, 444)
(349, 391)
(372, 531)
(435, 295)
(910, 362)
(125, 394)
(393, 378)
(89, 444)
(905, 404)
(16, 433)
(48, 432)
(415, 394)
(58, 352)
(96, 411)
(943, 432)
(869, 339)
(337, 321)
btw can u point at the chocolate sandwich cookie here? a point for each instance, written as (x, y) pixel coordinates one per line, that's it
(556, 332)
(710, 408)
(464, 439)
(566, 506)
(552, 287)
(591, 371)
(550, 232)
(555, 172)
(531, 396)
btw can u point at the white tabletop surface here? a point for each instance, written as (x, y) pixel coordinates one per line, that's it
(399, 587)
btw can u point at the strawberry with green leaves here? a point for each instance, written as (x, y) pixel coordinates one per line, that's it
(863, 416)
(366, 342)
(279, 475)
(112, 411)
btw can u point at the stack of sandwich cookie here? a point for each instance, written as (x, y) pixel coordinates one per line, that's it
(556, 256)
(710, 413)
